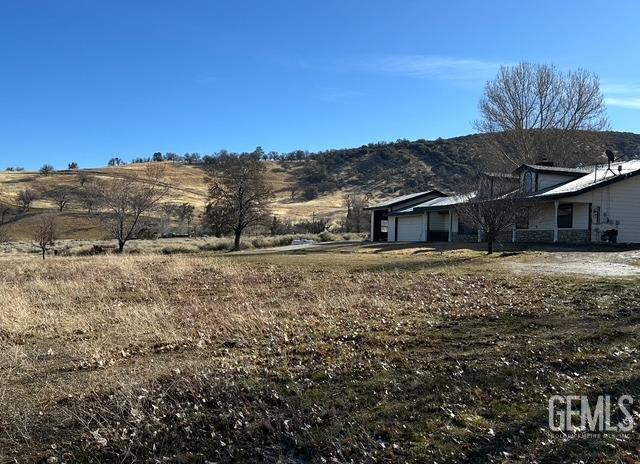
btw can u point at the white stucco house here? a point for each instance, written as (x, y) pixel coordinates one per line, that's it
(566, 205)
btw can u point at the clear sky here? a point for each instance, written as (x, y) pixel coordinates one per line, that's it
(85, 80)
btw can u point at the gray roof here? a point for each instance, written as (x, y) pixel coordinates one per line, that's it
(403, 199)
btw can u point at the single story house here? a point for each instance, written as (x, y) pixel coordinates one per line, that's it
(568, 205)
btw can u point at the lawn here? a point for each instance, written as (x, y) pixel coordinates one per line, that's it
(353, 356)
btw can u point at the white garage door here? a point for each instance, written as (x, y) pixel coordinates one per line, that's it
(410, 228)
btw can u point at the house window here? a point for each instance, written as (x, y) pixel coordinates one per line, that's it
(565, 216)
(384, 226)
(465, 229)
(522, 218)
(596, 215)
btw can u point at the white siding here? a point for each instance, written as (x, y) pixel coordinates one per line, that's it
(542, 217)
(619, 209)
(411, 228)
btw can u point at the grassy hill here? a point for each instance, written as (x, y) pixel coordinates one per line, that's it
(315, 184)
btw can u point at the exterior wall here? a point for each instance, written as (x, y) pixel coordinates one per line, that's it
(464, 238)
(546, 180)
(391, 234)
(619, 209)
(573, 235)
(534, 236)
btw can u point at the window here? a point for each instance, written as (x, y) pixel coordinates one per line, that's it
(565, 216)
(522, 218)
(596, 215)
(384, 226)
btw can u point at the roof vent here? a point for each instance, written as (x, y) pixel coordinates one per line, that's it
(545, 162)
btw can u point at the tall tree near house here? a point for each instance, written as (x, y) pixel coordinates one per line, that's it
(44, 232)
(536, 111)
(491, 206)
(124, 205)
(24, 199)
(358, 218)
(238, 189)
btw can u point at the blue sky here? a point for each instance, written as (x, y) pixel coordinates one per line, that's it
(85, 80)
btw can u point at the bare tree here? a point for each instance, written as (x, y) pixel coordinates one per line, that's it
(185, 213)
(24, 199)
(358, 218)
(83, 178)
(61, 195)
(238, 189)
(125, 202)
(46, 169)
(44, 231)
(490, 206)
(536, 111)
(89, 196)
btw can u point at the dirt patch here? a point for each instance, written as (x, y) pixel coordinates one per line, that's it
(595, 264)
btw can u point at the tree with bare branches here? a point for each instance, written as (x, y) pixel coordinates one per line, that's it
(536, 111)
(125, 203)
(44, 231)
(358, 218)
(24, 199)
(61, 195)
(491, 206)
(238, 189)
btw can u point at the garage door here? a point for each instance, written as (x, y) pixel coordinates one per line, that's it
(410, 228)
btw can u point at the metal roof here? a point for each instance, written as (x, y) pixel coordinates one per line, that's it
(555, 169)
(403, 199)
(599, 176)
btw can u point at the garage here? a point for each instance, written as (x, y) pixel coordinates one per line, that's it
(410, 228)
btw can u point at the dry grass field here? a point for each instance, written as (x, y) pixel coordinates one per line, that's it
(364, 355)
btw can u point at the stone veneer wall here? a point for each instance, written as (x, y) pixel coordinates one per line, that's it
(573, 235)
(464, 238)
(534, 236)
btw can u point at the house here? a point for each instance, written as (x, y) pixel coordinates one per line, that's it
(559, 204)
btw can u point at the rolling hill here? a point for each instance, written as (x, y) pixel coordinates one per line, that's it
(314, 184)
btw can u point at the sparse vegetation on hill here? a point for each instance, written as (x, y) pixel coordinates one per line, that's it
(308, 186)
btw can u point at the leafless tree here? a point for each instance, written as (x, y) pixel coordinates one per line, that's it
(61, 195)
(491, 206)
(89, 196)
(44, 231)
(83, 178)
(238, 189)
(358, 218)
(124, 204)
(24, 199)
(185, 213)
(536, 111)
